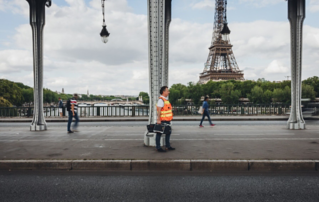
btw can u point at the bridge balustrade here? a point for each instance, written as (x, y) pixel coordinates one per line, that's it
(143, 111)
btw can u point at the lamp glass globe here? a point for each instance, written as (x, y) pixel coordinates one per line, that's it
(105, 39)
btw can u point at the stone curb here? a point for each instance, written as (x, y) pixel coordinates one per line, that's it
(163, 165)
(35, 165)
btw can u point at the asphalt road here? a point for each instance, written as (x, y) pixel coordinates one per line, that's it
(143, 123)
(92, 186)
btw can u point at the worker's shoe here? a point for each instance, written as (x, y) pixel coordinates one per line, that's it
(161, 150)
(170, 149)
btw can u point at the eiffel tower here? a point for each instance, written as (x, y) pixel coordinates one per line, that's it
(221, 63)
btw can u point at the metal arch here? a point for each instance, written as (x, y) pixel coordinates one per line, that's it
(37, 22)
(296, 16)
(159, 18)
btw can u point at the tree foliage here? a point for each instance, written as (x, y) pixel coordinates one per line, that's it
(256, 95)
(260, 91)
(4, 103)
(314, 82)
(145, 96)
(228, 94)
(308, 92)
(11, 92)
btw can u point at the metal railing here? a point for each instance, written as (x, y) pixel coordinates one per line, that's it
(142, 111)
(89, 111)
(266, 109)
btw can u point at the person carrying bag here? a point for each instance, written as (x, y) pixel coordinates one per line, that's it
(164, 118)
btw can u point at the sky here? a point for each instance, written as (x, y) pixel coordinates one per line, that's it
(76, 59)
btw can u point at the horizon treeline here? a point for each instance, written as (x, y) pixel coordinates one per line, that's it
(17, 94)
(258, 92)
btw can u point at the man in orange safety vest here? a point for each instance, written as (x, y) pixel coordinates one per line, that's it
(164, 116)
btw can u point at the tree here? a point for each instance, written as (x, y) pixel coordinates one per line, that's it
(27, 94)
(278, 95)
(314, 82)
(65, 97)
(287, 95)
(257, 95)
(228, 94)
(267, 96)
(4, 103)
(261, 80)
(145, 96)
(195, 92)
(267, 85)
(22, 86)
(246, 87)
(181, 88)
(11, 92)
(308, 92)
(174, 96)
(49, 96)
(210, 87)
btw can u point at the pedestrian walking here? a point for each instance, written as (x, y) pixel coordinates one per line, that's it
(206, 113)
(164, 116)
(60, 107)
(72, 107)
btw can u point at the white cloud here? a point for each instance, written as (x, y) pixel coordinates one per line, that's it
(204, 4)
(261, 3)
(13, 61)
(313, 5)
(14, 6)
(276, 67)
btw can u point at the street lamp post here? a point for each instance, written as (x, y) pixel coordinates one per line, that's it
(37, 22)
(296, 15)
(104, 33)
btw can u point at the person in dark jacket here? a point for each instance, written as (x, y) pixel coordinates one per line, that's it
(206, 113)
(60, 107)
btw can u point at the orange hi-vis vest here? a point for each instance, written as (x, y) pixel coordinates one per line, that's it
(166, 111)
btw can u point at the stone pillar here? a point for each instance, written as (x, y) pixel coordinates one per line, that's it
(159, 18)
(37, 22)
(296, 15)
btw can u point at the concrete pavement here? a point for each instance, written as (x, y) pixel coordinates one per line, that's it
(223, 147)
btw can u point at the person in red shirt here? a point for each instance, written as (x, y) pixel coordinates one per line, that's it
(73, 112)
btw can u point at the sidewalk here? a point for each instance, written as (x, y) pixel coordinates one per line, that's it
(219, 148)
(176, 118)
